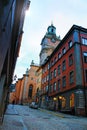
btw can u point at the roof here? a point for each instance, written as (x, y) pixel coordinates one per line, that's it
(74, 27)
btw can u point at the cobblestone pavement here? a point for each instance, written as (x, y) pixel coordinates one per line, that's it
(24, 118)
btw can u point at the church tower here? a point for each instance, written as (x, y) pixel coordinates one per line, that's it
(48, 43)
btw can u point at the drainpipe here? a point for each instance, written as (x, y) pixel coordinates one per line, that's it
(83, 73)
(48, 82)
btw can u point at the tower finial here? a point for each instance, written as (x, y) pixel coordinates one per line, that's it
(51, 23)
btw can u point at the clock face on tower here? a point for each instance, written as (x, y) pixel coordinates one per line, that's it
(53, 40)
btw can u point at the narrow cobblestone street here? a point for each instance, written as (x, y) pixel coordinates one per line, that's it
(24, 118)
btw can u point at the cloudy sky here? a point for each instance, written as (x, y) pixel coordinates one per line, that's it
(62, 13)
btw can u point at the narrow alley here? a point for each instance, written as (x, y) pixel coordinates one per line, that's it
(20, 117)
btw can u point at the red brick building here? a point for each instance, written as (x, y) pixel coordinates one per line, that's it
(64, 74)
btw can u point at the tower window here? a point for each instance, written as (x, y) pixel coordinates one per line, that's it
(52, 30)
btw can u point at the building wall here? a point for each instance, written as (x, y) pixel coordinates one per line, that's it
(68, 97)
(38, 85)
(32, 82)
(12, 15)
(29, 79)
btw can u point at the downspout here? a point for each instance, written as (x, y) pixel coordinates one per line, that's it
(48, 82)
(83, 73)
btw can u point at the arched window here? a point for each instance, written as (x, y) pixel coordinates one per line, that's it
(30, 91)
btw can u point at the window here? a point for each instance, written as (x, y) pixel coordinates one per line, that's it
(70, 60)
(64, 81)
(50, 88)
(85, 57)
(86, 75)
(55, 59)
(71, 77)
(59, 70)
(84, 41)
(37, 90)
(59, 84)
(63, 51)
(64, 65)
(51, 75)
(46, 88)
(70, 44)
(47, 77)
(54, 72)
(52, 63)
(54, 86)
(30, 91)
(59, 55)
(31, 78)
(48, 66)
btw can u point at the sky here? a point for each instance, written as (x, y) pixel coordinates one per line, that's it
(62, 13)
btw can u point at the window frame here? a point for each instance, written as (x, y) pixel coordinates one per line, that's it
(84, 41)
(64, 81)
(63, 51)
(85, 57)
(59, 69)
(70, 43)
(71, 77)
(54, 72)
(70, 59)
(59, 84)
(54, 86)
(64, 65)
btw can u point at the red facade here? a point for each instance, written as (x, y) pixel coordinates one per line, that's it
(64, 78)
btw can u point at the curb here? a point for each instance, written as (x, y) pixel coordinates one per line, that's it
(53, 113)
